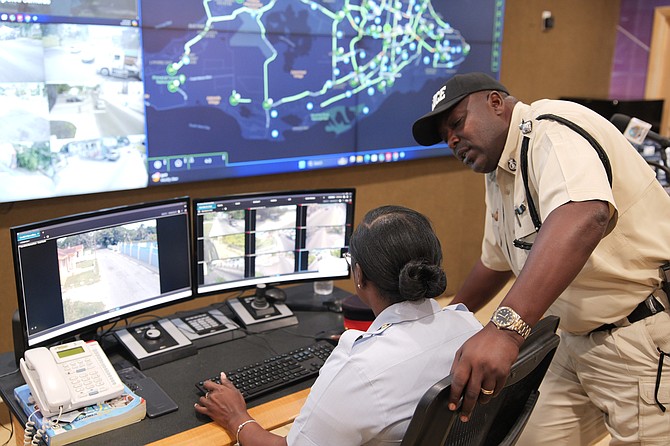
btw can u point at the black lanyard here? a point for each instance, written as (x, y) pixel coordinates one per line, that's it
(524, 168)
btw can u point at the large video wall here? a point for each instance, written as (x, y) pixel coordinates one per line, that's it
(101, 95)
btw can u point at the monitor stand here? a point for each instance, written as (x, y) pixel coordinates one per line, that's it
(155, 343)
(258, 313)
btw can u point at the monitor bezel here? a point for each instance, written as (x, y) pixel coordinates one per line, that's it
(89, 329)
(252, 283)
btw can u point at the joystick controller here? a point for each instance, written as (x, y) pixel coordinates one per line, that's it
(264, 310)
(260, 301)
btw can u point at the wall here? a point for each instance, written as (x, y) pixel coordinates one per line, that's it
(574, 58)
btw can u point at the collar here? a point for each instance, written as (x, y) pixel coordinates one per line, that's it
(509, 159)
(395, 314)
(398, 313)
(405, 311)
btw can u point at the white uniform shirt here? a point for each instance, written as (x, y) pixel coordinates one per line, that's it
(369, 387)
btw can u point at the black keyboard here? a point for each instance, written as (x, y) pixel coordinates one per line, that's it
(278, 371)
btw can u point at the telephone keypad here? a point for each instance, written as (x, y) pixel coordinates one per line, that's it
(84, 378)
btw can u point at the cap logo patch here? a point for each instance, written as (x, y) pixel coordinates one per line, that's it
(439, 96)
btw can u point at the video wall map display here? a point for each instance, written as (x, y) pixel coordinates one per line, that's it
(104, 95)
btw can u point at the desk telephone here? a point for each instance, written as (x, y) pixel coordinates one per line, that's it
(69, 376)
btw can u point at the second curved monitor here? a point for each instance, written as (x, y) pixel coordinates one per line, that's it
(271, 238)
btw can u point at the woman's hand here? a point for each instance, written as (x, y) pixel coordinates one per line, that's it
(224, 404)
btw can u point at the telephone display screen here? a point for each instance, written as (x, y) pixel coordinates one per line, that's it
(70, 352)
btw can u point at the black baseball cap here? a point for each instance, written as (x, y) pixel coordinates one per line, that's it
(450, 94)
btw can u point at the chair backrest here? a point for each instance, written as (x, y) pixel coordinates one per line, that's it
(499, 422)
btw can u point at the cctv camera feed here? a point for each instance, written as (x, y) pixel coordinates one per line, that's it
(77, 271)
(275, 240)
(108, 95)
(73, 116)
(280, 237)
(109, 268)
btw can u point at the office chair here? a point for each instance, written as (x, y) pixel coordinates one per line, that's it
(499, 422)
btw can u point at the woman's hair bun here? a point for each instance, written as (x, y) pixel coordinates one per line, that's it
(420, 279)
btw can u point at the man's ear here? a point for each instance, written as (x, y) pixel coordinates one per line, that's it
(496, 101)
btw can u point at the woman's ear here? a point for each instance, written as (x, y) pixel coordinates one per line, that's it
(359, 277)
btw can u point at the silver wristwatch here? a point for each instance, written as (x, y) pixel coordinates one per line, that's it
(507, 319)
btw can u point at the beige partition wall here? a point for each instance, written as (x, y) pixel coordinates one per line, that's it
(658, 72)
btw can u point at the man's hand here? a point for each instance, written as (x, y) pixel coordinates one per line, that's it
(482, 363)
(224, 404)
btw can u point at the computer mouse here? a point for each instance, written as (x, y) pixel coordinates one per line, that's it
(275, 294)
(332, 336)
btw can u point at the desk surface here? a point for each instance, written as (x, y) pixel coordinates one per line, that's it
(178, 379)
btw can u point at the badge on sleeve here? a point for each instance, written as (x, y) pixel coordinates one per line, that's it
(377, 332)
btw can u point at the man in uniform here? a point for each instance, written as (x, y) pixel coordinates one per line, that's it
(576, 214)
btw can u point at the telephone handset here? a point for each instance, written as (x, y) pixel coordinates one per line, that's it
(69, 376)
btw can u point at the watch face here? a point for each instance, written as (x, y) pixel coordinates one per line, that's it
(504, 317)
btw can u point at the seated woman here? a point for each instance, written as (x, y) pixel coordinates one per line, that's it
(369, 387)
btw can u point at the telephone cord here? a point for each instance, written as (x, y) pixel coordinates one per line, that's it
(33, 437)
(29, 432)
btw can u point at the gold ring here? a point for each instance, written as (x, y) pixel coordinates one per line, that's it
(207, 395)
(487, 392)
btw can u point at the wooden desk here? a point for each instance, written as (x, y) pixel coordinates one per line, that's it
(178, 377)
(271, 415)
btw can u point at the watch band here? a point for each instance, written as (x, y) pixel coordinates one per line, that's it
(521, 327)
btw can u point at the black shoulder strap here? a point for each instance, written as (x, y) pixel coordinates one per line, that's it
(524, 174)
(524, 161)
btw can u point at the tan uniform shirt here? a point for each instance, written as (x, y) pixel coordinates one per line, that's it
(624, 268)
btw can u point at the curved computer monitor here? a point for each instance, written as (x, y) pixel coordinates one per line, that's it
(271, 238)
(77, 273)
